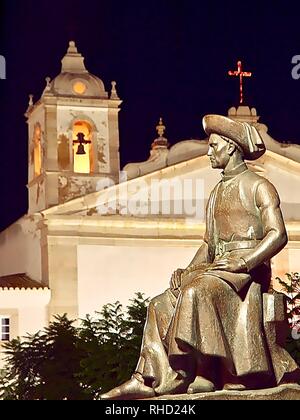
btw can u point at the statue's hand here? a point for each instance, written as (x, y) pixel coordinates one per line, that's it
(230, 264)
(175, 281)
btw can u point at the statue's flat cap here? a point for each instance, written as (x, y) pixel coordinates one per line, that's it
(243, 134)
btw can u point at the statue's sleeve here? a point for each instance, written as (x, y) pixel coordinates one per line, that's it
(275, 237)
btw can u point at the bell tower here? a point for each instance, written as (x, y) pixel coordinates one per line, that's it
(73, 136)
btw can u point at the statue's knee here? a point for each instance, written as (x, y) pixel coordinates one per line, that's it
(206, 286)
(160, 302)
(162, 298)
(189, 290)
(154, 301)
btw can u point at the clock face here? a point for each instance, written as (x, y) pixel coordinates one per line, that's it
(79, 87)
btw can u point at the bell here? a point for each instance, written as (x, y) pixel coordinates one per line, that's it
(81, 140)
(80, 149)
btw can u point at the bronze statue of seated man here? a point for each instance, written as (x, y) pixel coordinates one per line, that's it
(206, 331)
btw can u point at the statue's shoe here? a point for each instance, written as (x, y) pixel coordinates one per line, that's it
(234, 387)
(175, 386)
(200, 384)
(130, 390)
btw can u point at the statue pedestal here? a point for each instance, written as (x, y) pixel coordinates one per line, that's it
(283, 392)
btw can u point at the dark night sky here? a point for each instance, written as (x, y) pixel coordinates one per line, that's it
(169, 58)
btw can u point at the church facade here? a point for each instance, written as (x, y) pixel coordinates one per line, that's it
(95, 234)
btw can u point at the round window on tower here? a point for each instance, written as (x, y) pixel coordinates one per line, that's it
(79, 87)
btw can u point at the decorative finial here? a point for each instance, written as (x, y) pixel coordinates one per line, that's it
(48, 80)
(114, 94)
(30, 103)
(73, 62)
(161, 142)
(160, 128)
(72, 48)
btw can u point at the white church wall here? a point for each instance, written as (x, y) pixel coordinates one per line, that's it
(287, 185)
(291, 151)
(62, 276)
(294, 258)
(110, 273)
(12, 250)
(28, 309)
(287, 261)
(20, 250)
(32, 318)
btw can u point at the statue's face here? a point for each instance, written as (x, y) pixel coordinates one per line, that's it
(218, 151)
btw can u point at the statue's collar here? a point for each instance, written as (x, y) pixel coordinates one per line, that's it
(239, 169)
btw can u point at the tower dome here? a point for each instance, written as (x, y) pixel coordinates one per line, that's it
(74, 79)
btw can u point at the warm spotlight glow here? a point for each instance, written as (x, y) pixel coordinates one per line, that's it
(82, 163)
(79, 87)
(37, 150)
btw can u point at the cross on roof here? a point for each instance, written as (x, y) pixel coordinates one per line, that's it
(241, 74)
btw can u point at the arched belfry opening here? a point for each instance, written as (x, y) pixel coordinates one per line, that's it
(37, 149)
(82, 136)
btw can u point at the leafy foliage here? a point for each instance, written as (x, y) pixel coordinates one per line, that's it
(76, 363)
(36, 365)
(111, 345)
(293, 347)
(291, 287)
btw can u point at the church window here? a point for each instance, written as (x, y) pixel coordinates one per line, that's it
(37, 150)
(5, 327)
(82, 147)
